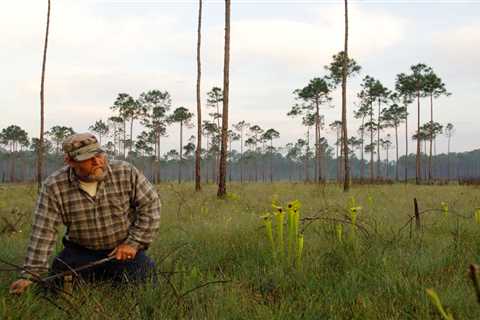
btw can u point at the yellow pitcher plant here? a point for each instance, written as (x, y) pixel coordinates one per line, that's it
(289, 252)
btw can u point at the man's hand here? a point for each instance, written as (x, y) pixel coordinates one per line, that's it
(19, 286)
(124, 252)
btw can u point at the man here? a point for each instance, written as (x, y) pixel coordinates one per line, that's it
(108, 209)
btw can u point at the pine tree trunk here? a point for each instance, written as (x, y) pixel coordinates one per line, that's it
(317, 143)
(362, 165)
(222, 188)
(124, 139)
(379, 129)
(396, 149)
(430, 176)
(206, 161)
(406, 149)
(346, 180)
(198, 159)
(386, 165)
(322, 174)
(180, 154)
(229, 167)
(214, 163)
(271, 161)
(425, 159)
(40, 152)
(337, 154)
(371, 143)
(159, 176)
(448, 160)
(418, 172)
(307, 157)
(241, 155)
(131, 136)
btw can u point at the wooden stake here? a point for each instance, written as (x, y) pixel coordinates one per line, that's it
(417, 214)
(68, 284)
(473, 276)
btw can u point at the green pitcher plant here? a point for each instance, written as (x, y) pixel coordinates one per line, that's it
(477, 215)
(285, 239)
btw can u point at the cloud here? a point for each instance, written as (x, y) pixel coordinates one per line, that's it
(456, 50)
(305, 44)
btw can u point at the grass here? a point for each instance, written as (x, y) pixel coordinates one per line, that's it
(380, 276)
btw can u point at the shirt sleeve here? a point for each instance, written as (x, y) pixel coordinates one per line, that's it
(147, 211)
(44, 231)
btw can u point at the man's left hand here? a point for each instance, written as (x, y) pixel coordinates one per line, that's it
(124, 252)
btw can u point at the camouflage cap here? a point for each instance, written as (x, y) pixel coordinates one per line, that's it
(81, 146)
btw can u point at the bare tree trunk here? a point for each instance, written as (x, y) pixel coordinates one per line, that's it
(406, 149)
(307, 157)
(180, 154)
(424, 160)
(386, 165)
(263, 153)
(198, 151)
(362, 166)
(322, 175)
(214, 162)
(131, 136)
(159, 161)
(222, 188)
(241, 155)
(229, 167)
(206, 162)
(430, 176)
(271, 161)
(317, 144)
(371, 143)
(418, 172)
(124, 139)
(42, 106)
(448, 160)
(255, 161)
(337, 147)
(13, 177)
(379, 128)
(346, 180)
(396, 149)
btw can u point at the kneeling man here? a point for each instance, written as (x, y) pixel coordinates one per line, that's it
(109, 209)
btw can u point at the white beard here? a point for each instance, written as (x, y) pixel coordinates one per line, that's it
(92, 178)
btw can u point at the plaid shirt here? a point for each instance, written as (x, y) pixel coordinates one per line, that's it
(126, 209)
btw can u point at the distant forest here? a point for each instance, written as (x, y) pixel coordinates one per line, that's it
(257, 167)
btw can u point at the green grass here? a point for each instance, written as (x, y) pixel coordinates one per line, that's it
(380, 276)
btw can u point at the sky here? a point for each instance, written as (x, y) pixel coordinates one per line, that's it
(100, 48)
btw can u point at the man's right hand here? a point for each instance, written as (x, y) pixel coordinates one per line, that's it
(19, 286)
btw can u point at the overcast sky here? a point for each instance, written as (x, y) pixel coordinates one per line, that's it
(100, 48)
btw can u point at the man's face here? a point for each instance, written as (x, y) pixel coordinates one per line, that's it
(93, 169)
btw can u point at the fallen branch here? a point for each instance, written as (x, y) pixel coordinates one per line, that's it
(344, 221)
(473, 275)
(201, 286)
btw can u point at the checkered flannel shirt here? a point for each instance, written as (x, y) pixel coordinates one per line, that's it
(126, 209)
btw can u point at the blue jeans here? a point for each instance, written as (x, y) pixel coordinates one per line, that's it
(136, 271)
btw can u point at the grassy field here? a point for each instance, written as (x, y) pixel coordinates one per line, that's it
(377, 270)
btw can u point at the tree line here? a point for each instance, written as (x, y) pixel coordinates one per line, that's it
(290, 162)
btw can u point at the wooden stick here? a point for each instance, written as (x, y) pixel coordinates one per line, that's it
(473, 276)
(76, 270)
(417, 214)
